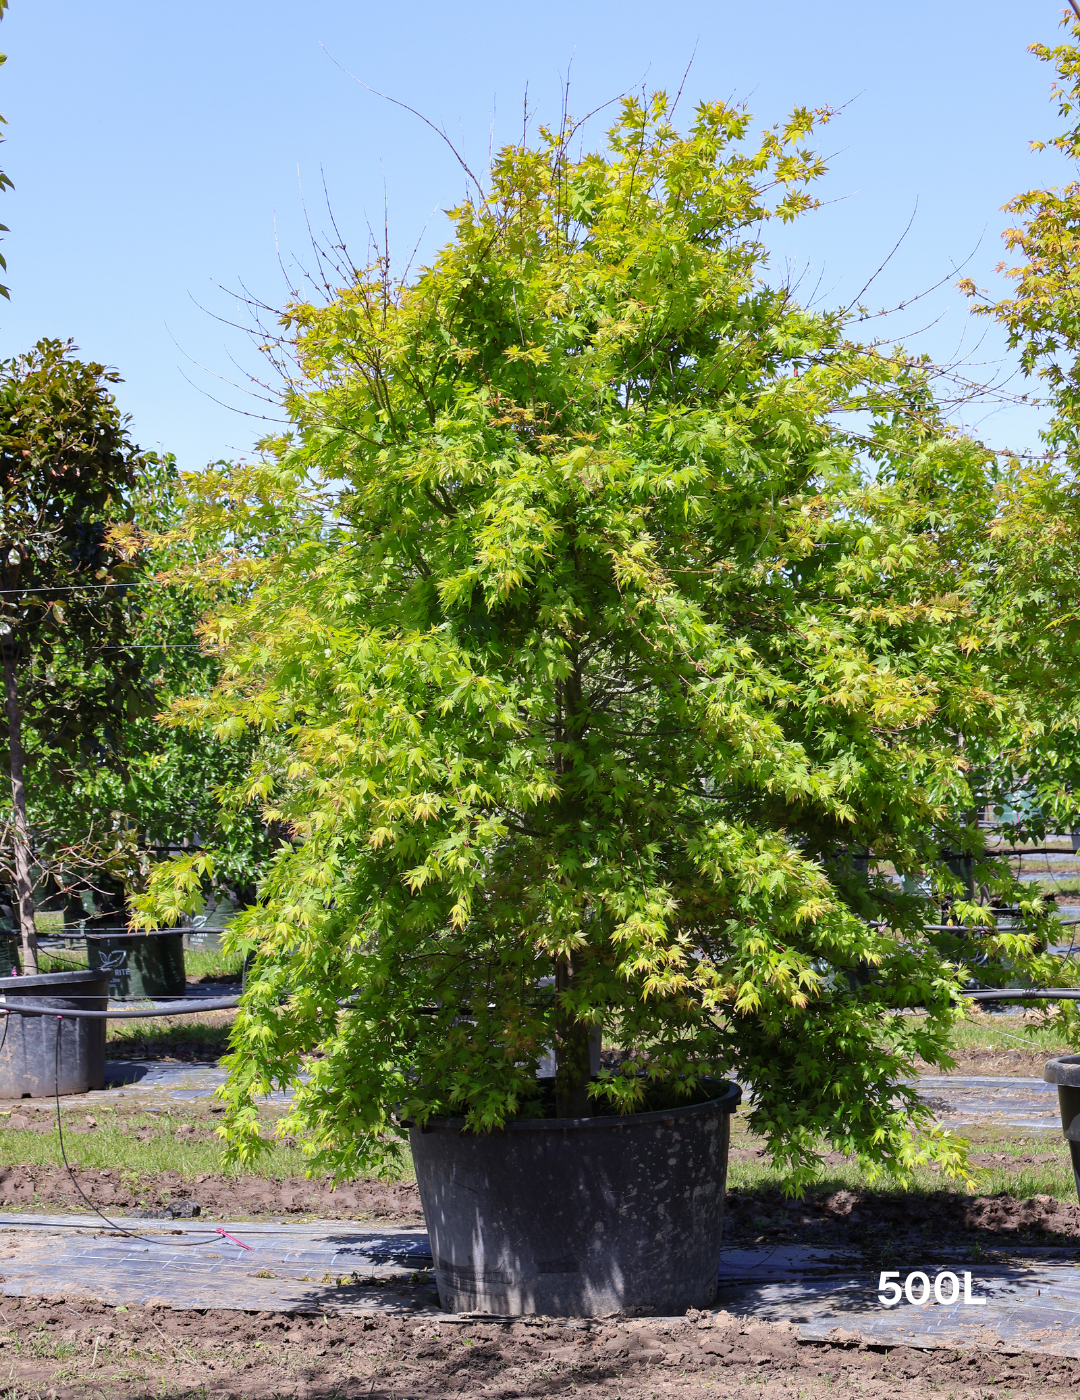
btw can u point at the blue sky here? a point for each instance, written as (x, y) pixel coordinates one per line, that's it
(162, 153)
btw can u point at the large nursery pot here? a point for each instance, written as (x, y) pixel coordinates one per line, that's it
(140, 964)
(28, 1059)
(578, 1216)
(1065, 1073)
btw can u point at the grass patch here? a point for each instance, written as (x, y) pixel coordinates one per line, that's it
(1066, 884)
(1053, 1178)
(143, 1144)
(159, 1037)
(212, 962)
(70, 960)
(1019, 1164)
(987, 1030)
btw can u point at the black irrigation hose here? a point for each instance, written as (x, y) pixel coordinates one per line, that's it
(164, 998)
(991, 928)
(182, 1008)
(130, 1234)
(1023, 994)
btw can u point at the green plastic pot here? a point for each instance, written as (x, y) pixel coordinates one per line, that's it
(10, 948)
(140, 964)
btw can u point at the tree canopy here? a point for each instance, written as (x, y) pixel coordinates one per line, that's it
(67, 469)
(617, 643)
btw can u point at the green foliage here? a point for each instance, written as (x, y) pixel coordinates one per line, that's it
(66, 470)
(111, 809)
(609, 610)
(102, 643)
(1035, 624)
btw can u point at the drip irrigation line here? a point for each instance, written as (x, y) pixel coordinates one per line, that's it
(130, 1234)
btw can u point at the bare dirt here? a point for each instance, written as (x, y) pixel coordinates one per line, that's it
(1018, 1061)
(75, 1348)
(873, 1222)
(218, 1196)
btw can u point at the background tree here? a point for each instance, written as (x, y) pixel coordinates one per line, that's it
(616, 654)
(1036, 617)
(133, 790)
(67, 471)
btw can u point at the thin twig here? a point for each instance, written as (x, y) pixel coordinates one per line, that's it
(398, 103)
(175, 1349)
(855, 300)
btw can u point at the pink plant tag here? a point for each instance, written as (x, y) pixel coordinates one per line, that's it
(241, 1243)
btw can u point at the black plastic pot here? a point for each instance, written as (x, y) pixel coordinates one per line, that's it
(1065, 1073)
(140, 964)
(578, 1216)
(28, 1063)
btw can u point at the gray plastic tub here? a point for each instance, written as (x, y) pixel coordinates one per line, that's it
(28, 1065)
(1065, 1073)
(578, 1217)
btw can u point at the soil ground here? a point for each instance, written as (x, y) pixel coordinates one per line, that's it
(76, 1348)
(996, 1059)
(219, 1197)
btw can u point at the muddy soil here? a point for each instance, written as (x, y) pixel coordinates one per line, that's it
(218, 1196)
(1018, 1061)
(876, 1222)
(75, 1348)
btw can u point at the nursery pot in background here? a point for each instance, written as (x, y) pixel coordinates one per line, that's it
(28, 1060)
(10, 947)
(140, 964)
(1065, 1073)
(578, 1217)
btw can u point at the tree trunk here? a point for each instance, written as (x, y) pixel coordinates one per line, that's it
(24, 889)
(573, 1058)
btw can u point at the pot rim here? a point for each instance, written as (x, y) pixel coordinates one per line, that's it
(52, 979)
(727, 1102)
(1063, 1069)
